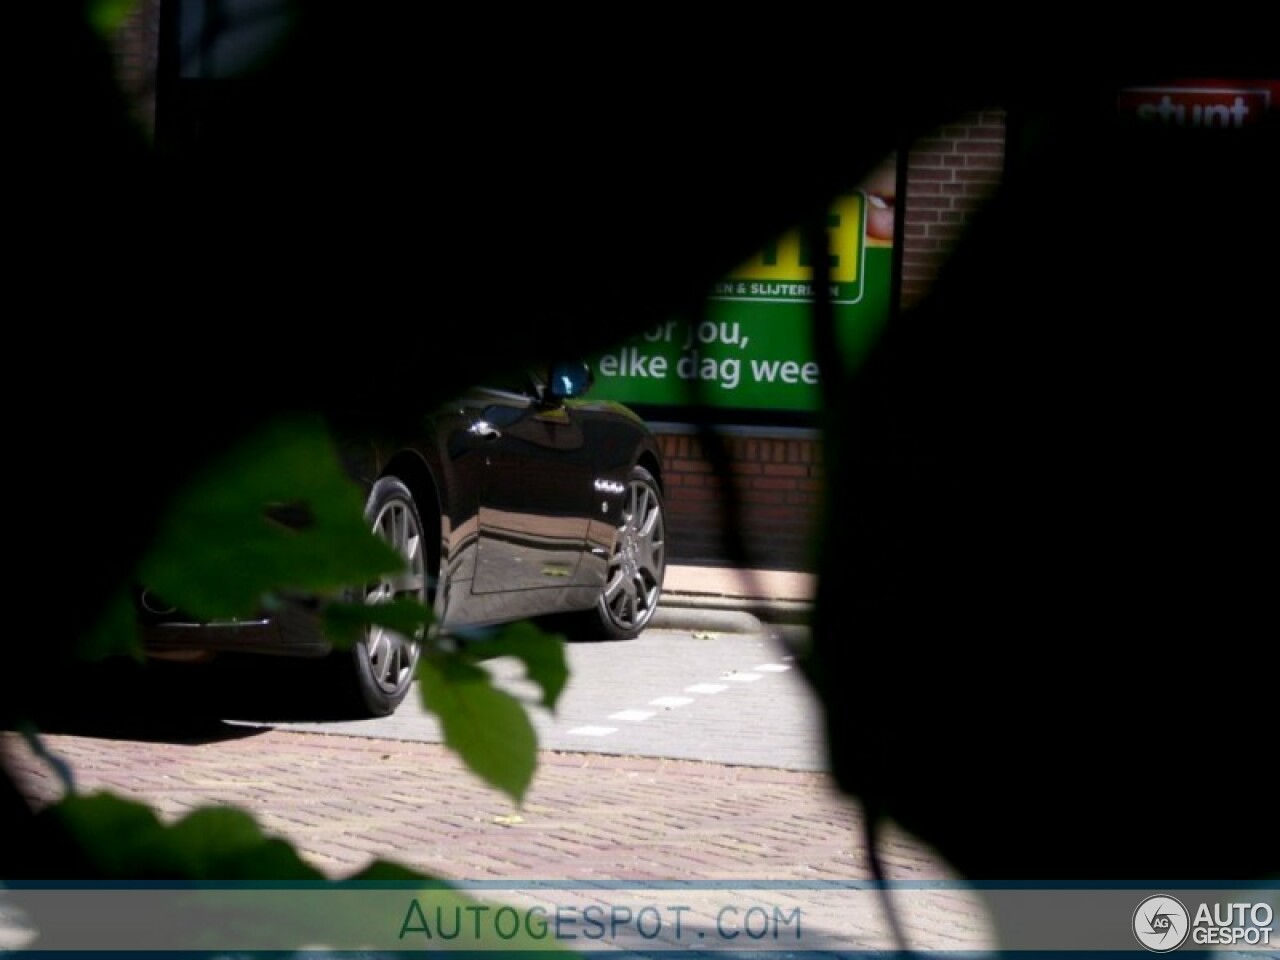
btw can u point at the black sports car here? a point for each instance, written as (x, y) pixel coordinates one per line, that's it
(516, 501)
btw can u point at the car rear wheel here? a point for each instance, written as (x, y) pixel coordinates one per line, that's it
(637, 565)
(385, 659)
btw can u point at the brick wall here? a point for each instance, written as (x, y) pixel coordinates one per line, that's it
(778, 482)
(949, 175)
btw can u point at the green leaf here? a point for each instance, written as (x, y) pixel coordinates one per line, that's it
(108, 16)
(487, 727)
(344, 622)
(123, 839)
(542, 653)
(277, 513)
(109, 832)
(218, 843)
(388, 871)
(114, 633)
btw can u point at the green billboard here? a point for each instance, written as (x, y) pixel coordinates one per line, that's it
(751, 348)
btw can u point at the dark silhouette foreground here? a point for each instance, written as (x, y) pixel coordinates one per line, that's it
(1044, 636)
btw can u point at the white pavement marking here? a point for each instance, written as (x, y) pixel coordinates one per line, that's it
(670, 701)
(638, 716)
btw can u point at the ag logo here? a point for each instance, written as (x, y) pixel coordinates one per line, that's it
(1161, 923)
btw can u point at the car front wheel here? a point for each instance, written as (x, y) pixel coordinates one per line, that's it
(385, 659)
(637, 564)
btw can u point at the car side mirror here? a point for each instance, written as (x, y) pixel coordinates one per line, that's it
(569, 380)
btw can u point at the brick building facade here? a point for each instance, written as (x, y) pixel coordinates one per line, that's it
(775, 472)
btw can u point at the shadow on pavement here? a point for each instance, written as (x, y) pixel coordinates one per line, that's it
(185, 703)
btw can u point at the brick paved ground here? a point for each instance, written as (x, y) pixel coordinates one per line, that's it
(344, 801)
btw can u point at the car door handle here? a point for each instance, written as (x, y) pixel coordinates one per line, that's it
(484, 430)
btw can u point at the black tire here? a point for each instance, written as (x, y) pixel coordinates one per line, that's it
(384, 661)
(637, 565)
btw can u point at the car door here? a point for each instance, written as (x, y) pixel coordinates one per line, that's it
(532, 519)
